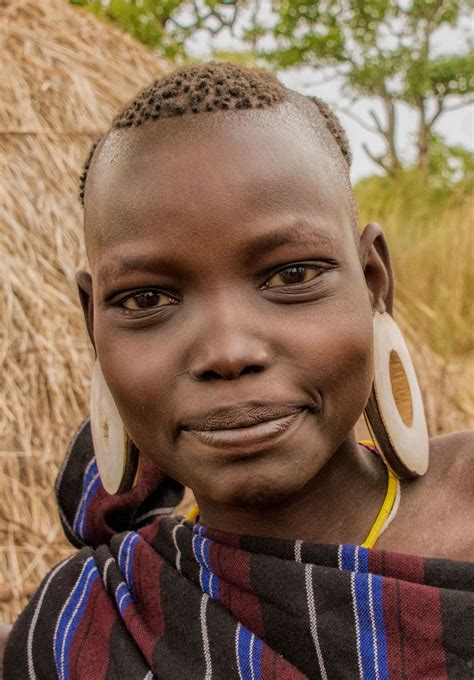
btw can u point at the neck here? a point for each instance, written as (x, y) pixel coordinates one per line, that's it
(339, 504)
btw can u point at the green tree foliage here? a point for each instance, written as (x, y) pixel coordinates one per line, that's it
(384, 49)
(165, 24)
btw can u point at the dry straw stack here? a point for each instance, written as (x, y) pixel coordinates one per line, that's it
(64, 74)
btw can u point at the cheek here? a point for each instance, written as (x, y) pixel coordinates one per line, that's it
(140, 378)
(337, 355)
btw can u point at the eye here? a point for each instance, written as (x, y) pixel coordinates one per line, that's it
(146, 299)
(298, 273)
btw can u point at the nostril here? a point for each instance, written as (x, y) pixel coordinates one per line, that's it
(230, 375)
(212, 375)
(251, 369)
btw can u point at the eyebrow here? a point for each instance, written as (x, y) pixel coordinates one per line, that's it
(129, 265)
(295, 234)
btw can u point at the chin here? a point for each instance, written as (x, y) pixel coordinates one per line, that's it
(257, 491)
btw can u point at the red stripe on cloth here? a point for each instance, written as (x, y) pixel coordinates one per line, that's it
(104, 509)
(391, 615)
(422, 633)
(89, 652)
(275, 667)
(232, 540)
(145, 618)
(397, 565)
(376, 561)
(150, 531)
(235, 592)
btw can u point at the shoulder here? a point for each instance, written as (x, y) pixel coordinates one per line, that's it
(455, 443)
(448, 493)
(30, 644)
(435, 518)
(451, 461)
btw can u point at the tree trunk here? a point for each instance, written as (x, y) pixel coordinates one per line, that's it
(394, 164)
(424, 139)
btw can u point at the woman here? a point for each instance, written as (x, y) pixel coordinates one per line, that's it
(232, 306)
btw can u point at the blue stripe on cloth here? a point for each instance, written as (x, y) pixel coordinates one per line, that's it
(348, 557)
(366, 634)
(90, 486)
(208, 580)
(377, 598)
(249, 654)
(126, 555)
(71, 616)
(363, 559)
(257, 658)
(123, 597)
(354, 558)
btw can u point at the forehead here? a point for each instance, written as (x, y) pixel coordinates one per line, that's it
(213, 174)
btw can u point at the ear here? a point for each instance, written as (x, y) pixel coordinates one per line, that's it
(377, 268)
(84, 286)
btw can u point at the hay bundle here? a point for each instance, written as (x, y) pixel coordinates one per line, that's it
(64, 74)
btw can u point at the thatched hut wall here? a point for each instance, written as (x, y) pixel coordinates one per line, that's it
(63, 75)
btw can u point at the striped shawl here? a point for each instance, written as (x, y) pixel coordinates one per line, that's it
(177, 601)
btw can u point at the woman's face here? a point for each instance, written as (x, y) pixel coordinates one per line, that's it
(231, 316)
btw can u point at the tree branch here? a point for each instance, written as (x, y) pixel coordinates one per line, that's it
(357, 119)
(379, 160)
(458, 105)
(228, 23)
(378, 123)
(200, 19)
(177, 24)
(436, 114)
(441, 109)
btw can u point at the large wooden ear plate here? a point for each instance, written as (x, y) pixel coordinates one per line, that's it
(394, 413)
(117, 457)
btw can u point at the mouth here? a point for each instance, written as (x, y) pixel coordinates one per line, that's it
(246, 426)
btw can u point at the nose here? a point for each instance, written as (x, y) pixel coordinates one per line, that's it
(228, 346)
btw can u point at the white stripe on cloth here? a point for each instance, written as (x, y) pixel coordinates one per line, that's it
(153, 513)
(34, 620)
(106, 569)
(149, 676)
(339, 557)
(76, 609)
(122, 548)
(84, 498)
(132, 541)
(252, 641)
(312, 618)
(178, 551)
(122, 597)
(374, 629)
(197, 560)
(205, 637)
(357, 627)
(237, 635)
(298, 545)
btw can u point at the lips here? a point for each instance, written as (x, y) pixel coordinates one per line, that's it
(240, 415)
(244, 426)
